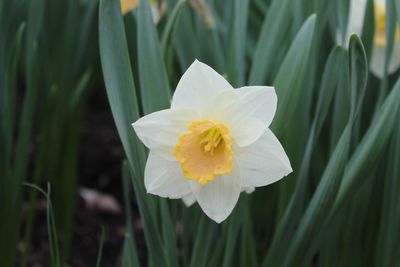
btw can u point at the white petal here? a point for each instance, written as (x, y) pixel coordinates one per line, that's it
(189, 200)
(247, 132)
(159, 131)
(248, 111)
(218, 198)
(253, 114)
(356, 17)
(263, 162)
(257, 102)
(198, 86)
(164, 178)
(248, 190)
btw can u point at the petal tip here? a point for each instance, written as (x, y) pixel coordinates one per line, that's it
(218, 218)
(288, 166)
(196, 62)
(135, 124)
(189, 200)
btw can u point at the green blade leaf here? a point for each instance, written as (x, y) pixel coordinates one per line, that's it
(118, 78)
(321, 202)
(171, 22)
(390, 207)
(122, 98)
(323, 199)
(203, 242)
(294, 96)
(370, 148)
(156, 95)
(51, 227)
(273, 32)
(237, 43)
(293, 212)
(185, 40)
(129, 255)
(10, 181)
(100, 251)
(154, 88)
(290, 79)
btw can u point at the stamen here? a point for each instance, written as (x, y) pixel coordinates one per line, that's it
(211, 140)
(205, 151)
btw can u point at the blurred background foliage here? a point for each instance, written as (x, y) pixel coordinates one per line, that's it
(338, 123)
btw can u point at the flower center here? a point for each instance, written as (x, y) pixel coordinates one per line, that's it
(205, 151)
(380, 26)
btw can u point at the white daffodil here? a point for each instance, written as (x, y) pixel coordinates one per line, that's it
(213, 143)
(355, 25)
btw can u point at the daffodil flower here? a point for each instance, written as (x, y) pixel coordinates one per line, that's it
(213, 143)
(355, 25)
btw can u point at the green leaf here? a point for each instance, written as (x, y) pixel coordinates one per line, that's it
(122, 98)
(341, 109)
(154, 88)
(248, 256)
(370, 148)
(118, 78)
(320, 204)
(8, 103)
(155, 95)
(51, 227)
(203, 243)
(290, 79)
(234, 224)
(390, 26)
(10, 182)
(237, 43)
(274, 30)
(185, 40)
(323, 199)
(169, 233)
(390, 206)
(171, 22)
(148, 212)
(100, 252)
(129, 255)
(342, 12)
(293, 99)
(169, 31)
(369, 28)
(34, 27)
(294, 211)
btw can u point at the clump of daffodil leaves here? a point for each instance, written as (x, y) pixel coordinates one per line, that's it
(328, 121)
(213, 143)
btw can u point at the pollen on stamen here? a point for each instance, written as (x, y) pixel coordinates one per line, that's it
(205, 151)
(211, 140)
